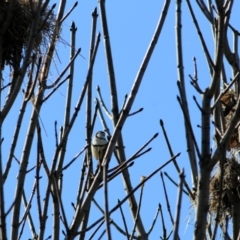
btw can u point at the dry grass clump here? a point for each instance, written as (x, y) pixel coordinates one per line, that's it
(17, 34)
(230, 189)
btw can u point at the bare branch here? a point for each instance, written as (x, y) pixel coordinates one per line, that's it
(179, 206)
(136, 112)
(138, 209)
(123, 218)
(69, 12)
(64, 70)
(182, 90)
(174, 183)
(73, 160)
(103, 104)
(155, 219)
(204, 45)
(171, 154)
(198, 105)
(106, 213)
(163, 223)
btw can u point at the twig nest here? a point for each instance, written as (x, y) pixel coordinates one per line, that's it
(230, 191)
(17, 34)
(228, 101)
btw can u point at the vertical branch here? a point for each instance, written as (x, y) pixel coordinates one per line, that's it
(113, 90)
(89, 126)
(190, 145)
(42, 212)
(27, 213)
(16, 134)
(106, 213)
(138, 209)
(3, 234)
(237, 67)
(205, 170)
(108, 52)
(124, 219)
(163, 222)
(174, 161)
(219, 47)
(67, 111)
(204, 45)
(179, 205)
(166, 198)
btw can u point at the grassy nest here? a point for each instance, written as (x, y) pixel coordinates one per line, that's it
(230, 191)
(17, 34)
(228, 101)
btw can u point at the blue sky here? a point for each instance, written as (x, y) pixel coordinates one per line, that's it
(131, 27)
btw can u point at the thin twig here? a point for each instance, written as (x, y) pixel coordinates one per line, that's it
(194, 79)
(69, 12)
(64, 70)
(163, 222)
(57, 192)
(46, 18)
(106, 212)
(171, 154)
(198, 105)
(39, 163)
(204, 45)
(56, 88)
(112, 222)
(74, 159)
(7, 85)
(136, 155)
(182, 91)
(117, 172)
(96, 230)
(166, 197)
(138, 209)
(123, 218)
(102, 103)
(27, 213)
(136, 112)
(166, 174)
(124, 102)
(155, 219)
(190, 128)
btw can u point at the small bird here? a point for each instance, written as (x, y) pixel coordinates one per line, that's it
(99, 145)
